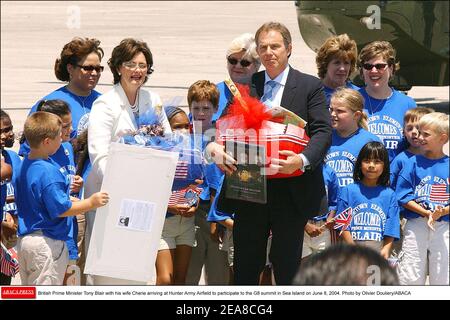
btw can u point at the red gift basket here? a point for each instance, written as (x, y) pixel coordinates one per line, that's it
(250, 121)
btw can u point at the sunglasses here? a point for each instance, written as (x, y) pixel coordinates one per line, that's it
(379, 66)
(98, 69)
(243, 62)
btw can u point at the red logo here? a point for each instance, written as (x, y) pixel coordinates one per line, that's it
(18, 292)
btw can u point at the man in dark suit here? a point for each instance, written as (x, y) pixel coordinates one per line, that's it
(290, 201)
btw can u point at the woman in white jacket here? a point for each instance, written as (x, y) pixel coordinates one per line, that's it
(116, 113)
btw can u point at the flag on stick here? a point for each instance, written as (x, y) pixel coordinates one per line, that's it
(343, 219)
(9, 261)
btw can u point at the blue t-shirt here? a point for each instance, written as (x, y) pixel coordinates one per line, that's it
(190, 166)
(375, 212)
(212, 180)
(41, 198)
(212, 173)
(225, 95)
(397, 165)
(343, 152)
(87, 167)
(10, 207)
(64, 158)
(329, 91)
(80, 107)
(425, 181)
(386, 119)
(331, 189)
(215, 215)
(15, 162)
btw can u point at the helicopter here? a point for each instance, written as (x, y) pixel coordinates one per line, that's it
(418, 30)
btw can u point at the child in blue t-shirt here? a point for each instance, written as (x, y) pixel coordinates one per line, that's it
(225, 222)
(317, 236)
(178, 234)
(412, 142)
(10, 161)
(349, 133)
(10, 168)
(423, 190)
(43, 204)
(64, 157)
(203, 100)
(375, 218)
(411, 133)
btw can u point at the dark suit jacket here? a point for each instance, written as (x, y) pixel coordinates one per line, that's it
(303, 95)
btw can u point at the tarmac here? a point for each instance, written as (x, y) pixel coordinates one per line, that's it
(188, 40)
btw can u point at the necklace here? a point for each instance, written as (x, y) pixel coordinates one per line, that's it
(382, 102)
(82, 101)
(135, 106)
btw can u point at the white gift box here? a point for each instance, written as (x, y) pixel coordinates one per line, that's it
(126, 233)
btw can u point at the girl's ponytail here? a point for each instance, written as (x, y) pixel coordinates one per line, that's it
(362, 123)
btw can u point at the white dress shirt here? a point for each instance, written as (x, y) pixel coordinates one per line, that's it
(277, 96)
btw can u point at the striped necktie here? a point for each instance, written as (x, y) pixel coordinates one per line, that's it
(268, 96)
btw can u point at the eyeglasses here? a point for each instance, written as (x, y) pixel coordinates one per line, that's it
(133, 65)
(98, 69)
(379, 66)
(243, 62)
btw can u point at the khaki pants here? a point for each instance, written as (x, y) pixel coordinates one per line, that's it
(206, 253)
(424, 250)
(81, 220)
(43, 261)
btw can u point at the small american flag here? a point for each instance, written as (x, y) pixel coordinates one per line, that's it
(178, 197)
(439, 193)
(343, 219)
(9, 261)
(181, 171)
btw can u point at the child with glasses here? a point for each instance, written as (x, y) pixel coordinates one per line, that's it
(384, 105)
